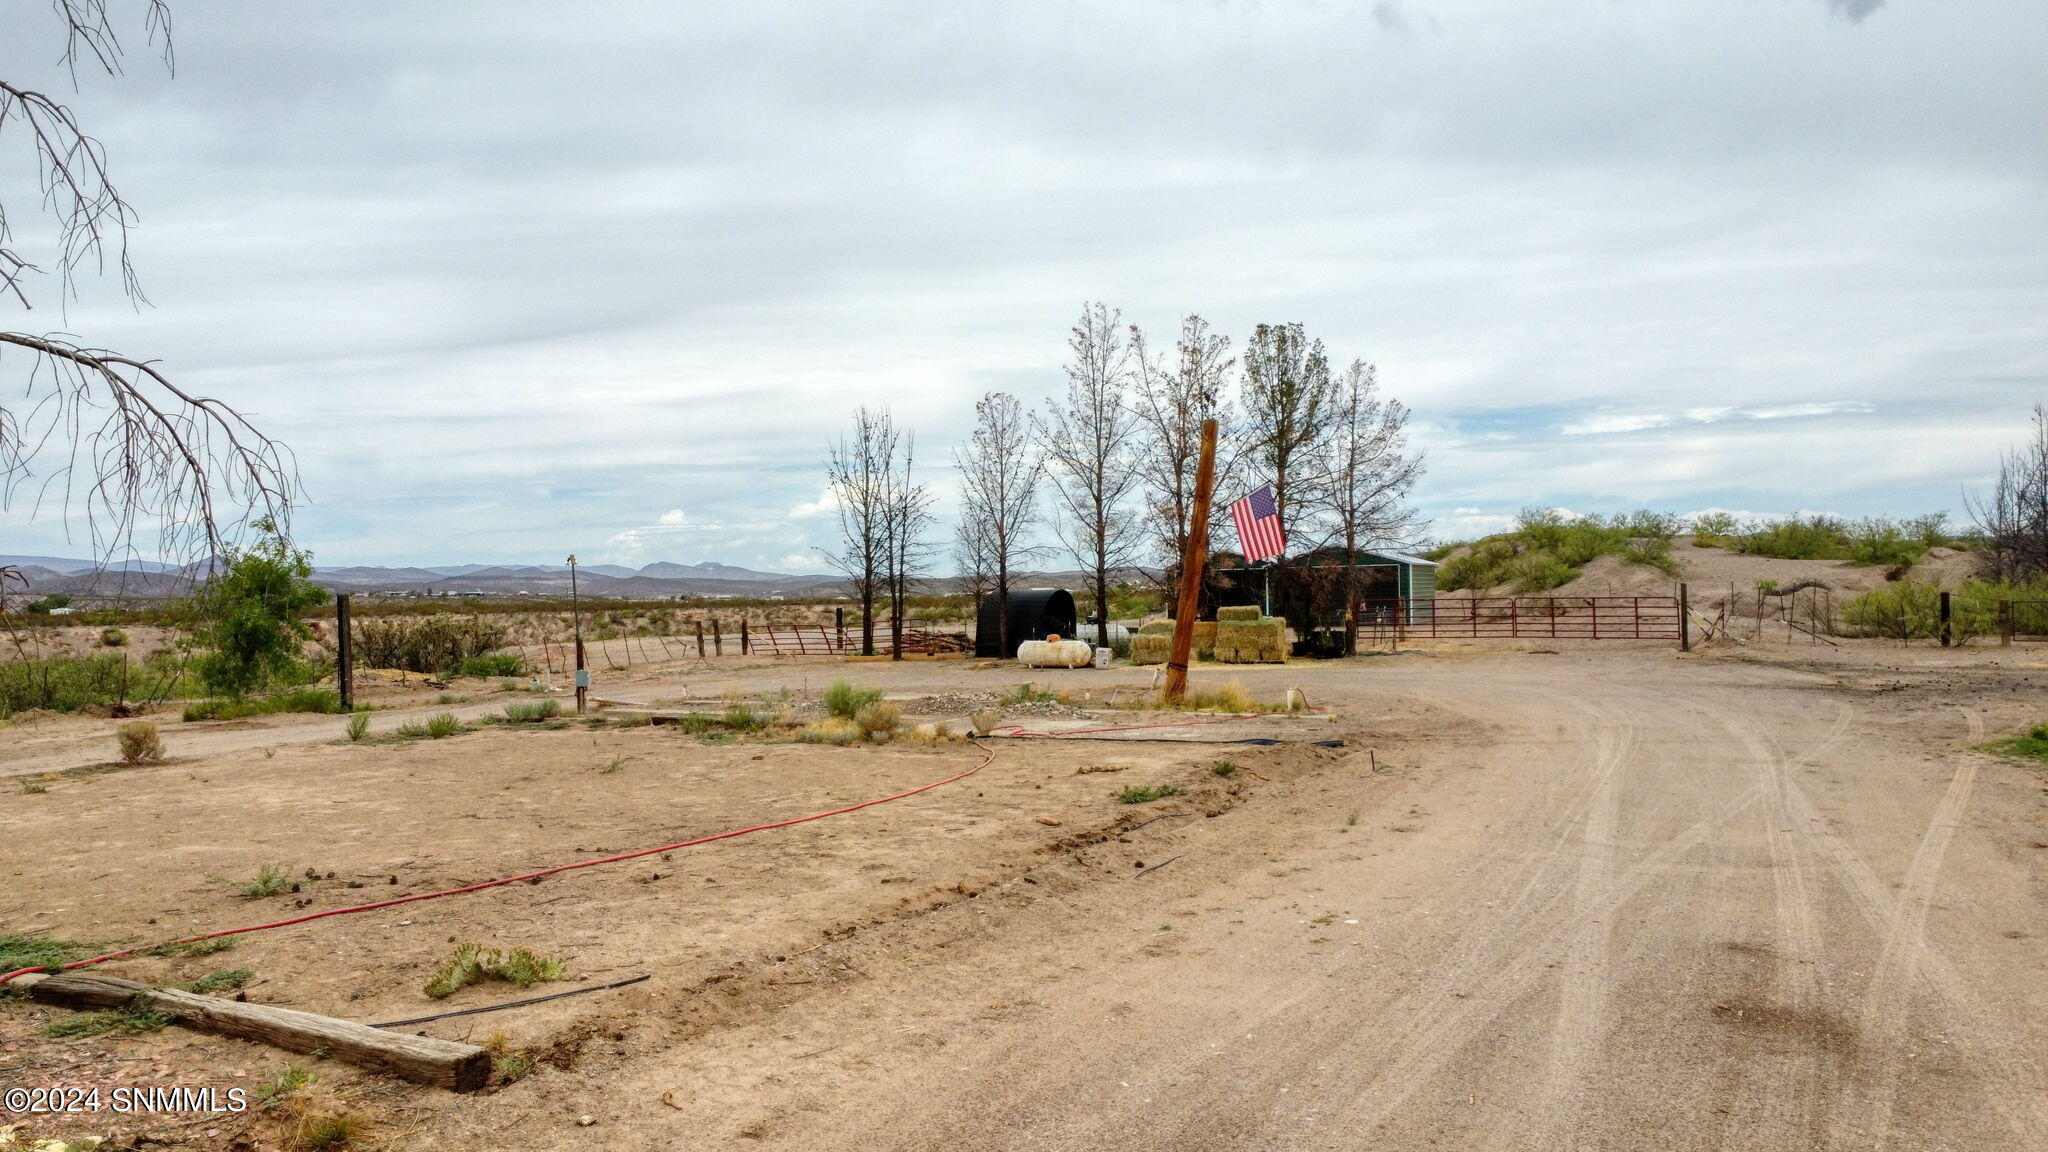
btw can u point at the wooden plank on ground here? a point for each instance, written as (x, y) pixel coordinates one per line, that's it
(420, 1059)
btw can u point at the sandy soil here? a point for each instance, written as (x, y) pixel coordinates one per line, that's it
(1608, 897)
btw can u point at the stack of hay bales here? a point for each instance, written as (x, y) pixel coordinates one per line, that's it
(1245, 637)
(1154, 642)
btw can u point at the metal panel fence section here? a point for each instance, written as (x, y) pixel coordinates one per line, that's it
(821, 640)
(1526, 617)
(2022, 620)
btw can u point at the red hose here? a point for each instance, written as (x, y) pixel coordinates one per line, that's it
(988, 756)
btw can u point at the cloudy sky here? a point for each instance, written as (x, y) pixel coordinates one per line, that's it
(516, 279)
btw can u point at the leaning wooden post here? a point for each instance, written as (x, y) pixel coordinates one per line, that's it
(344, 659)
(717, 638)
(1946, 635)
(1684, 618)
(700, 639)
(1191, 564)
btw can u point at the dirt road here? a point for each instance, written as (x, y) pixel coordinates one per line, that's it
(1623, 902)
(1600, 899)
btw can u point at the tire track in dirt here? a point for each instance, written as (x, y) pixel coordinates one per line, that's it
(1867, 1120)
(1798, 1101)
(1881, 910)
(1448, 1018)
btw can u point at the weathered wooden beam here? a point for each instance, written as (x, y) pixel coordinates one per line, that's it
(421, 1059)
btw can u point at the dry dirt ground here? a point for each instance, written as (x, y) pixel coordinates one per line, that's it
(1607, 897)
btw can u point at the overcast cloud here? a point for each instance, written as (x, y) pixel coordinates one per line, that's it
(517, 279)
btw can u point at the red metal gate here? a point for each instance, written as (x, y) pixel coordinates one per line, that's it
(1526, 617)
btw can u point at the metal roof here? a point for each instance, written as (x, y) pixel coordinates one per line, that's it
(1400, 557)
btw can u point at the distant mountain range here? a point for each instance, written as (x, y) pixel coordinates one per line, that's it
(660, 579)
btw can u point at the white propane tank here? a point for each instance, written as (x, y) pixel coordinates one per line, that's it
(1055, 654)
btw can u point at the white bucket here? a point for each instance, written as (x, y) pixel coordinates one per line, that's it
(1103, 656)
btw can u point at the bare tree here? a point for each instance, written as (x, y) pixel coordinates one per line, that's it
(1089, 436)
(1289, 403)
(1173, 398)
(1000, 470)
(909, 511)
(974, 556)
(2013, 516)
(106, 436)
(860, 474)
(1367, 475)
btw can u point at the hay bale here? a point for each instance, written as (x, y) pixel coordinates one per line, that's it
(1151, 648)
(1261, 641)
(1245, 612)
(1157, 647)
(1156, 628)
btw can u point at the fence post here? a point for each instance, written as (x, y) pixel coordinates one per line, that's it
(344, 660)
(839, 627)
(700, 639)
(743, 636)
(717, 638)
(2005, 623)
(1684, 617)
(1946, 635)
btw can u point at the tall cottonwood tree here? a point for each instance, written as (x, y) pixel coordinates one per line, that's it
(1000, 471)
(108, 437)
(1367, 473)
(1089, 436)
(1174, 396)
(860, 474)
(1289, 401)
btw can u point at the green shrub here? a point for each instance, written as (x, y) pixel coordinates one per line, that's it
(490, 664)
(270, 880)
(133, 1017)
(44, 606)
(1145, 793)
(113, 638)
(434, 728)
(743, 718)
(248, 616)
(843, 700)
(2032, 746)
(1547, 549)
(316, 700)
(532, 711)
(472, 963)
(358, 726)
(224, 980)
(69, 683)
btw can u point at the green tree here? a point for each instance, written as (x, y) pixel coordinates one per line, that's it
(248, 616)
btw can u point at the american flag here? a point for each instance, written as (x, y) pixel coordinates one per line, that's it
(1258, 525)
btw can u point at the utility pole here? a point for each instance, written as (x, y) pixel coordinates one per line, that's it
(1191, 564)
(345, 657)
(582, 673)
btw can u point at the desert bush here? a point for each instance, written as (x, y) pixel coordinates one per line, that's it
(317, 700)
(430, 644)
(877, 718)
(489, 664)
(1911, 610)
(1547, 549)
(471, 963)
(984, 720)
(113, 638)
(1145, 793)
(139, 742)
(358, 726)
(1712, 529)
(743, 718)
(831, 730)
(844, 700)
(270, 880)
(434, 728)
(69, 683)
(532, 711)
